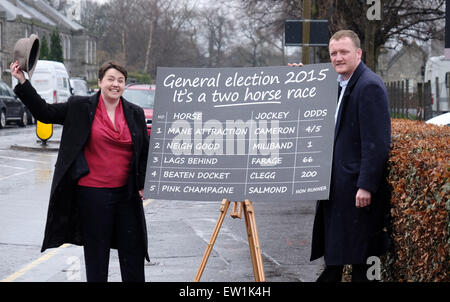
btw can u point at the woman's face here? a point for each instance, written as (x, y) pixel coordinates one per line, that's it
(112, 84)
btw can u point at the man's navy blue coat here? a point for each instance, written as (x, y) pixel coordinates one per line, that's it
(343, 233)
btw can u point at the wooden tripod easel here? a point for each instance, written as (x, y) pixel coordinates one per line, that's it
(252, 234)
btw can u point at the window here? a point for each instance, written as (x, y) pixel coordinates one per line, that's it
(1, 35)
(68, 48)
(94, 52)
(10, 91)
(90, 52)
(63, 42)
(87, 51)
(3, 90)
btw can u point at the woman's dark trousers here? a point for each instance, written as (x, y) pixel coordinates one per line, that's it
(110, 218)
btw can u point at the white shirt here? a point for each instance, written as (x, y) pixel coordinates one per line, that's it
(343, 84)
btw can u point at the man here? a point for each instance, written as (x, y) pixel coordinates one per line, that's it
(350, 226)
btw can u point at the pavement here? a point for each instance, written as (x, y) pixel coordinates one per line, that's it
(38, 146)
(179, 232)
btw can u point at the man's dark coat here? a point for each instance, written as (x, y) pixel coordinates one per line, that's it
(343, 233)
(76, 116)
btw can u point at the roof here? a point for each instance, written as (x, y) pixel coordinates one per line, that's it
(35, 13)
(32, 10)
(406, 48)
(13, 11)
(57, 16)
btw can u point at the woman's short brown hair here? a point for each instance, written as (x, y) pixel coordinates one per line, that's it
(345, 33)
(111, 64)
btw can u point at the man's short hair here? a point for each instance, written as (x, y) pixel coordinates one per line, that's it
(346, 33)
(111, 64)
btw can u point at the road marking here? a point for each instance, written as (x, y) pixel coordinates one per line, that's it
(36, 262)
(17, 174)
(40, 155)
(12, 167)
(24, 159)
(147, 201)
(47, 256)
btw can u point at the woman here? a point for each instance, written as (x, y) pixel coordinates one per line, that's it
(96, 193)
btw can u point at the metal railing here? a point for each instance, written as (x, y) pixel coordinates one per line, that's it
(410, 101)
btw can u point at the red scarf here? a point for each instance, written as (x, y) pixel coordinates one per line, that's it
(108, 151)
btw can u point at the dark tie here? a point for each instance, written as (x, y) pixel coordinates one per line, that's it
(339, 93)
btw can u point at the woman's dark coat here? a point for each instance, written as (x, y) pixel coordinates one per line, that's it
(77, 115)
(343, 233)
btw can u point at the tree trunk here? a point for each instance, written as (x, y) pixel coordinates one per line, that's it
(153, 23)
(306, 16)
(149, 46)
(369, 45)
(124, 47)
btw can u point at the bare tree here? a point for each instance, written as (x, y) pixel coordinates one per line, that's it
(262, 33)
(140, 33)
(217, 32)
(122, 16)
(172, 37)
(400, 20)
(93, 18)
(153, 17)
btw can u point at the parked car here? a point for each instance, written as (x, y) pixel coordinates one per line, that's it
(442, 119)
(12, 110)
(79, 86)
(142, 95)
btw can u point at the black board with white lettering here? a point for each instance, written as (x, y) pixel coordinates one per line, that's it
(262, 134)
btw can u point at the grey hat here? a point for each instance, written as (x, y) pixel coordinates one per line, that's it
(26, 51)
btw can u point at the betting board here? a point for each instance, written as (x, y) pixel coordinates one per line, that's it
(260, 133)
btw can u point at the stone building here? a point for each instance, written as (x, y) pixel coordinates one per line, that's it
(21, 18)
(407, 64)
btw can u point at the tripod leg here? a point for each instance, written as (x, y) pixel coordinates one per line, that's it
(253, 242)
(223, 211)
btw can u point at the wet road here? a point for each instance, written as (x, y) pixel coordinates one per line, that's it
(25, 179)
(178, 230)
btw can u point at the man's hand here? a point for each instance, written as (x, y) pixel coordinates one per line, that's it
(363, 198)
(141, 194)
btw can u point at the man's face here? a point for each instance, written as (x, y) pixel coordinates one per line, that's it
(345, 57)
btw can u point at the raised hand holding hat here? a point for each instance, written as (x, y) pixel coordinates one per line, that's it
(26, 53)
(17, 72)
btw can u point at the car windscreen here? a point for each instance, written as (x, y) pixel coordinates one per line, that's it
(142, 98)
(79, 87)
